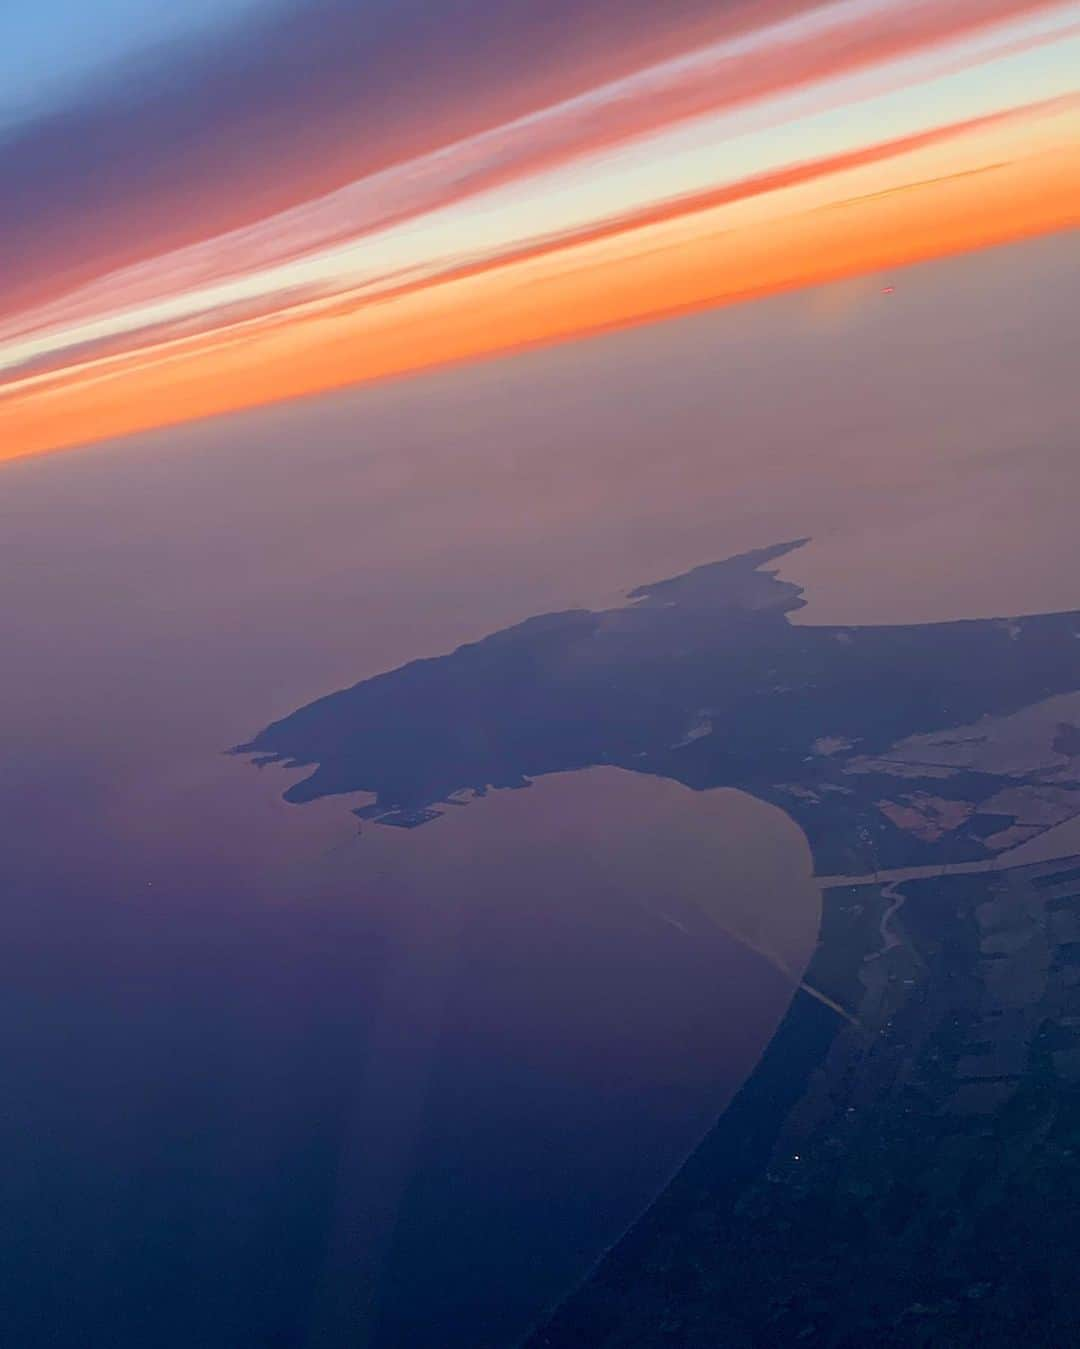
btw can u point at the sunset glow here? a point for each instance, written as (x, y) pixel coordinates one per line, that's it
(836, 140)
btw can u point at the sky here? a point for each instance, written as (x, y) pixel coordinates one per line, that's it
(215, 206)
(53, 51)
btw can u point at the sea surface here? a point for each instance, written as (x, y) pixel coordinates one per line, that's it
(274, 1079)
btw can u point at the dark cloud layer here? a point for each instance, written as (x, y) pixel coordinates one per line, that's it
(212, 135)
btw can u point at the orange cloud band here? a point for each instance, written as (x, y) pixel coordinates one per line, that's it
(865, 221)
(557, 136)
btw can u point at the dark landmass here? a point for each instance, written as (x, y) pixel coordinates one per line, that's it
(704, 678)
(903, 1166)
(912, 1179)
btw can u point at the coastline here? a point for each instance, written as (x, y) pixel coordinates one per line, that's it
(831, 1138)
